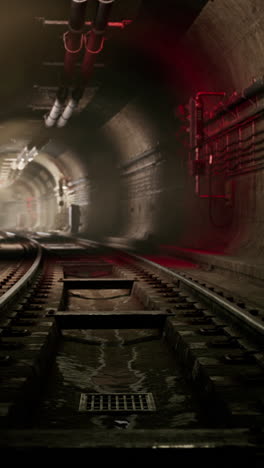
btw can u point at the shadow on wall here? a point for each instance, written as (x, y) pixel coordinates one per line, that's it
(101, 217)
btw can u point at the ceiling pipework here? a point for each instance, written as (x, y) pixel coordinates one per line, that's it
(74, 41)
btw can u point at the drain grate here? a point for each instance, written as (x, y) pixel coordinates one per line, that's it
(116, 402)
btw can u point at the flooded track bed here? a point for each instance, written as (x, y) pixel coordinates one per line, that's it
(97, 322)
(116, 361)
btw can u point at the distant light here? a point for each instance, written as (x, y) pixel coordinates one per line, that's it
(21, 166)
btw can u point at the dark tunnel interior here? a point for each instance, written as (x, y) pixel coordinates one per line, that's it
(132, 227)
(131, 157)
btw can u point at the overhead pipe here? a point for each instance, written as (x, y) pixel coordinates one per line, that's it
(73, 41)
(57, 107)
(255, 89)
(249, 93)
(112, 24)
(72, 104)
(95, 38)
(93, 45)
(73, 38)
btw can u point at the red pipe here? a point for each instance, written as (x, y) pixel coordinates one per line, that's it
(93, 45)
(95, 38)
(199, 128)
(73, 43)
(73, 38)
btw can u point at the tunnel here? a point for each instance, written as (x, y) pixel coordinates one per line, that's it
(162, 151)
(126, 158)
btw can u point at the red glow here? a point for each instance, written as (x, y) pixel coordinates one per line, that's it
(115, 259)
(181, 65)
(119, 24)
(113, 24)
(169, 262)
(97, 274)
(175, 249)
(210, 93)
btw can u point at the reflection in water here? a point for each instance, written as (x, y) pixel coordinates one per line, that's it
(116, 361)
(139, 376)
(97, 371)
(102, 299)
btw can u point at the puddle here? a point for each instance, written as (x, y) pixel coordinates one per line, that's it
(112, 361)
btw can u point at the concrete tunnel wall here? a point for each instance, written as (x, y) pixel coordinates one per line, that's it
(227, 40)
(153, 197)
(219, 53)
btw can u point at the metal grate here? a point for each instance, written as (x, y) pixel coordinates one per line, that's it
(116, 402)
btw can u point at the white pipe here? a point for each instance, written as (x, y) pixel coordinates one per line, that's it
(22, 155)
(32, 153)
(67, 113)
(56, 110)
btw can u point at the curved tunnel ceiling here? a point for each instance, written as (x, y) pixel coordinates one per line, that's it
(123, 157)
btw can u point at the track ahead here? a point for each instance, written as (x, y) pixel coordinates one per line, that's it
(106, 300)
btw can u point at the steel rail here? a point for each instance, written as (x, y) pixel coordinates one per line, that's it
(236, 311)
(16, 288)
(254, 323)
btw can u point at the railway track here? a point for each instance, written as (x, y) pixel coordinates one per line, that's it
(102, 348)
(15, 275)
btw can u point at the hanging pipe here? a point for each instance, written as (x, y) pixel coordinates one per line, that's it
(73, 38)
(93, 44)
(95, 38)
(56, 110)
(72, 104)
(73, 41)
